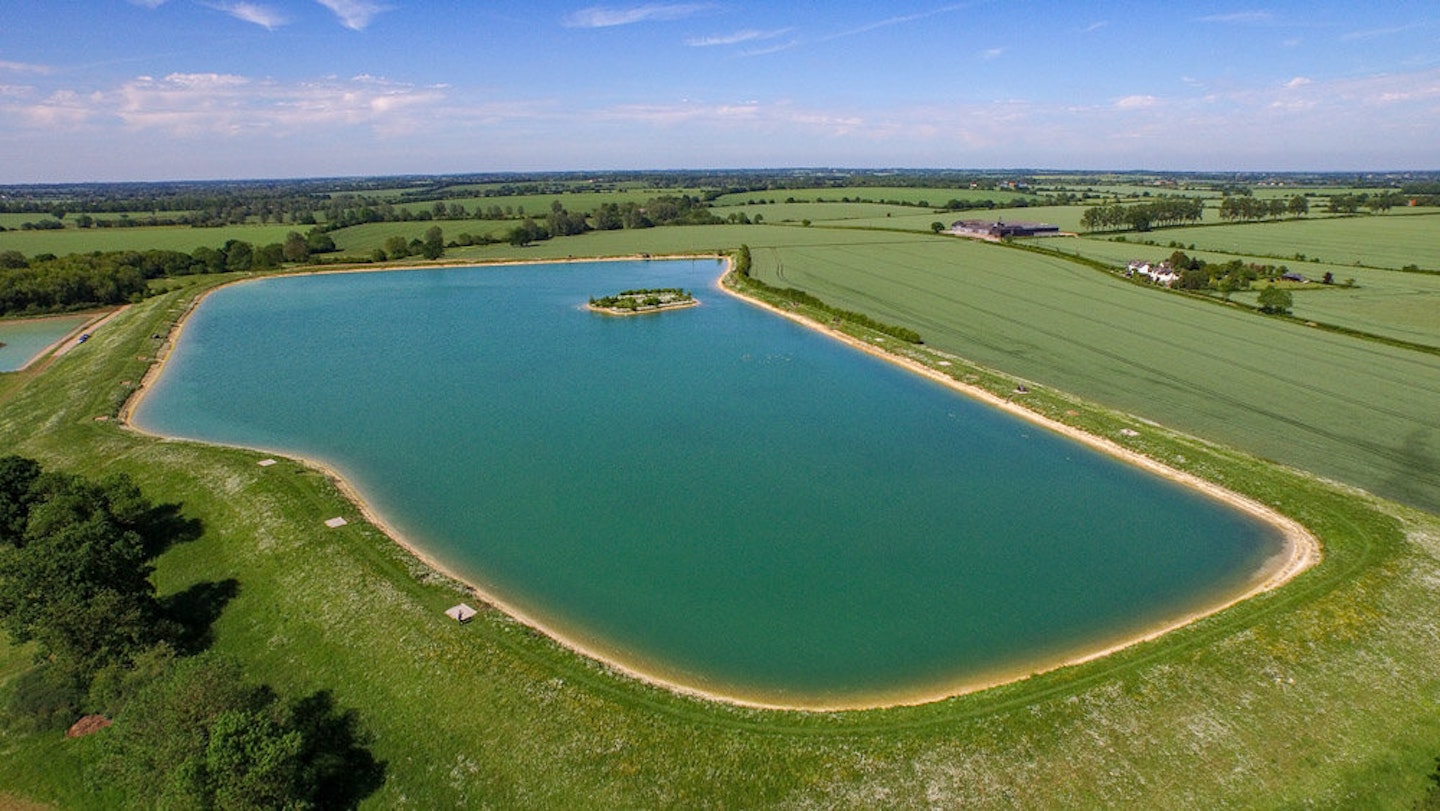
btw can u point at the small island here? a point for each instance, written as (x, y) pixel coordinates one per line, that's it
(635, 302)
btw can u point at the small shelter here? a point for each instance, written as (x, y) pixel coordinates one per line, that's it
(461, 613)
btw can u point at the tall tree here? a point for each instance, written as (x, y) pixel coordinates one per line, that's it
(1275, 300)
(199, 736)
(296, 248)
(434, 243)
(76, 579)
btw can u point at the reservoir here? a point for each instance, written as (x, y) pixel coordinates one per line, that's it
(714, 497)
(25, 339)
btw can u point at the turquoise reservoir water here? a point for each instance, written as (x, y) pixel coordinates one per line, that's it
(715, 495)
(25, 339)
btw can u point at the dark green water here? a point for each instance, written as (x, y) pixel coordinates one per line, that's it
(714, 495)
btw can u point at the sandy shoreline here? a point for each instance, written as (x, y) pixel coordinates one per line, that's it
(1302, 549)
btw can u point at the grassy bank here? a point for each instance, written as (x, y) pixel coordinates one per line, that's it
(1324, 691)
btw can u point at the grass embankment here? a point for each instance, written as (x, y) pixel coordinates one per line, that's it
(1323, 691)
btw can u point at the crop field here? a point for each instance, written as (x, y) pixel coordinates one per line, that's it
(1405, 306)
(909, 219)
(538, 205)
(1067, 217)
(1321, 693)
(360, 240)
(1280, 390)
(873, 194)
(9, 220)
(173, 238)
(1128, 191)
(1315, 193)
(823, 212)
(1394, 304)
(1392, 240)
(12, 221)
(571, 187)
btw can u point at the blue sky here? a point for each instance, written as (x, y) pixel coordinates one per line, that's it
(199, 89)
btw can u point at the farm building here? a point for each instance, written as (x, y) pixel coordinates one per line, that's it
(1160, 274)
(998, 229)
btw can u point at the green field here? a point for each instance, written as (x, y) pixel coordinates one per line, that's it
(1394, 304)
(929, 197)
(823, 212)
(360, 240)
(15, 221)
(1391, 240)
(174, 238)
(1067, 217)
(1405, 306)
(538, 205)
(1126, 191)
(1322, 693)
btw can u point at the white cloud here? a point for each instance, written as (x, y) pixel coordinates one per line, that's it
(889, 21)
(1375, 33)
(62, 109)
(1095, 26)
(777, 48)
(354, 14)
(363, 121)
(990, 54)
(1298, 81)
(606, 17)
(1238, 17)
(748, 35)
(148, 3)
(1137, 102)
(186, 105)
(263, 16)
(24, 67)
(750, 116)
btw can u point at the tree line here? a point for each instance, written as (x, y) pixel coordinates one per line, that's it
(658, 211)
(46, 283)
(1143, 216)
(1246, 208)
(188, 730)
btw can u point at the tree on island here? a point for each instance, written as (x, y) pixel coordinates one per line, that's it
(653, 298)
